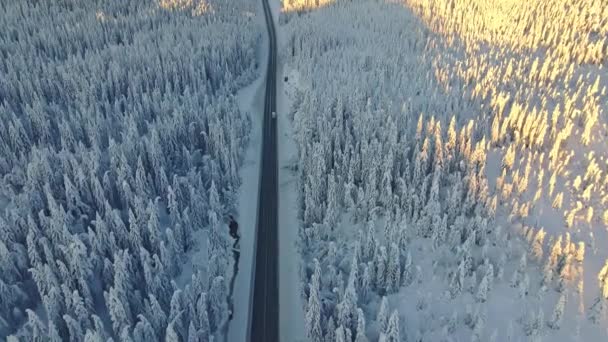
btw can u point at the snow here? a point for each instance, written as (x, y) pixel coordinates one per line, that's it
(291, 313)
(463, 56)
(196, 259)
(291, 327)
(330, 40)
(164, 127)
(275, 6)
(251, 101)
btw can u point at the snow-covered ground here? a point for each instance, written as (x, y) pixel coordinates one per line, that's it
(443, 169)
(251, 101)
(291, 327)
(291, 314)
(247, 212)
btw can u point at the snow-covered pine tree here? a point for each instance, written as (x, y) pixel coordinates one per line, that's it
(75, 330)
(361, 330)
(340, 335)
(380, 263)
(392, 332)
(218, 310)
(483, 288)
(171, 335)
(383, 315)
(347, 308)
(330, 330)
(597, 311)
(370, 244)
(558, 312)
(192, 333)
(394, 270)
(480, 325)
(366, 283)
(313, 309)
(178, 313)
(143, 330)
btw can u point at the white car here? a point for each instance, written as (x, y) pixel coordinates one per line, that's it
(274, 115)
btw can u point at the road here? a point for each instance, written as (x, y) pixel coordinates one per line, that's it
(264, 310)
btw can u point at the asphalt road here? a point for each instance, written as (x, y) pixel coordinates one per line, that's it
(264, 311)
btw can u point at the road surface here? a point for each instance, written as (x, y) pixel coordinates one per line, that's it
(264, 311)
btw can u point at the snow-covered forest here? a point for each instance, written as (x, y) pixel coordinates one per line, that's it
(120, 142)
(453, 169)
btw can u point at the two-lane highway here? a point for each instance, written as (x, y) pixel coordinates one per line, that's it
(264, 310)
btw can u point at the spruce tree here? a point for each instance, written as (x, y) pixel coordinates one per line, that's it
(392, 331)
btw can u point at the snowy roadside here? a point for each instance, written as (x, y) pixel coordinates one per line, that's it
(251, 101)
(291, 326)
(291, 313)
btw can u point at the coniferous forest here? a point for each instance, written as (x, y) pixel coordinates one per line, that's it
(120, 142)
(451, 164)
(441, 170)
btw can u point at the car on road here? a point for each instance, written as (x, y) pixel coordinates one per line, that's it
(274, 115)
